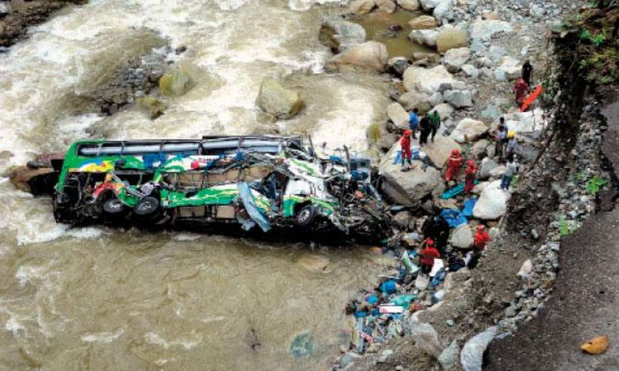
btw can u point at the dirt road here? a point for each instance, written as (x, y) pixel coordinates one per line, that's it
(586, 298)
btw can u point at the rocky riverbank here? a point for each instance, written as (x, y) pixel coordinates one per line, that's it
(17, 16)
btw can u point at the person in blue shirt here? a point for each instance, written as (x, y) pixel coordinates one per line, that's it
(413, 121)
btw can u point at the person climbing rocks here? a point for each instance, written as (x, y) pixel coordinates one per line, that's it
(500, 137)
(413, 121)
(425, 127)
(527, 71)
(437, 229)
(511, 148)
(405, 143)
(521, 89)
(482, 238)
(435, 120)
(470, 174)
(453, 165)
(511, 169)
(427, 255)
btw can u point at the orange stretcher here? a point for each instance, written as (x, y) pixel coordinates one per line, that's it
(531, 98)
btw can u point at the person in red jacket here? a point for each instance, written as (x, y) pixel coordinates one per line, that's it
(521, 89)
(482, 238)
(453, 165)
(405, 143)
(427, 255)
(469, 180)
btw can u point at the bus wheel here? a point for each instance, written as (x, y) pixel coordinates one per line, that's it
(113, 206)
(305, 216)
(147, 206)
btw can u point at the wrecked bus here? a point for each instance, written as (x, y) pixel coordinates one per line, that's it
(262, 181)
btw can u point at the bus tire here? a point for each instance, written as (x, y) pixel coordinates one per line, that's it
(305, 216)
(147, 206)
(113, 206)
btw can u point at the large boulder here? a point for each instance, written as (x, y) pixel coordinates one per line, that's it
(398, 115)
(488, 165)
(428, 5)
(508, 69)
(479, 149)
(370, 55)
(468, 130)
(472, 354)
(462, 237)
(445, 110)
(455, 58)
(411, 5)
(413, 99)
(387, 6)
(484, 29)
(493, 202)
(443, 11)
(424, 37)
(427, 80)
(408, 187)
(342, 34)
(448, 358)
(526, 122)
(426, 338)
(278, 101)
(440, 150)
(29, 180)
(362, 6)
(176, 82)
(459, 98)
(423, 22)
(450, 38)
(378, 135)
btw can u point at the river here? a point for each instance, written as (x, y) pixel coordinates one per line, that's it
(100, 299)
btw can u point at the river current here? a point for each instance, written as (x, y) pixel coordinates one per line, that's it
(101, 299)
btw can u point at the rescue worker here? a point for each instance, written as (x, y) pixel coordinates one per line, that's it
(413, 122)
(427, 255)
(425, 127)
(469, 180)
(500, 137)
(511, 169)
(527, 71)
(482, 238)
(521, 89)
(511, 148)
(453, 165)
(405, 143)
(435, 120)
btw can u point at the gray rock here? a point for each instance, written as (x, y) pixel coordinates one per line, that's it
(445, 110)
(455, 58)
(479, 149)
(428, 5)
(422, 282)
(468, 130)
(426, 338)
(346, 34)
(459, 98)
(398, 115)
(403, 218)
(470, 70)
(424, 37)
(492, 203)
(440, 150)
(491, 112)
(449, 356)
(472, 353)
(462, 237)
(496, 53)
(387, 6)
(485, 29)
(362, 6)
(443, 11)
(508, 69)
(398, 65)
(487, 165)
(370, 55)
(414, 99)
(450, 38)
(436, 99)
(423, 22)
(426, 80)
(278, 101)
(411, 5)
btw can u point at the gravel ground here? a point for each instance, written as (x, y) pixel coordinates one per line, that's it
(584, 303)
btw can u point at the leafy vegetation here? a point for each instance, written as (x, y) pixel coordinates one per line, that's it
(595, 184)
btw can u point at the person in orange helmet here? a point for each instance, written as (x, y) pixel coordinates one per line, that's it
(482, 238)
(405, 143)
(453, 165)
(469, 180)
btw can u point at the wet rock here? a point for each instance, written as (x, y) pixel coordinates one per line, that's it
(387, 6)
(407, 187)
(468, 130)
(370, 55)
(303, 345)
(414, 99)
(451, 38)
(459, 98)
(152, 106)
(483, 30)
(362, 6)
(398, 115)
(397, 65)
(278, 101)
(454, 59)
(423, 22)
(462, 237)
(449, 356)
(23, 177)
(424, 37)
(472, 354)
(429, 57)
(380, 135)
(176, 82)
(508, 69)
(426, 338)
(340, 34)
(492, 203)
(439, 151)
(411, 5)
(427, 80)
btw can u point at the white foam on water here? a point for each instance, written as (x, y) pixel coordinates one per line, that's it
(155, 339)
(186, 237)
(211, 319)
(103, 337)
